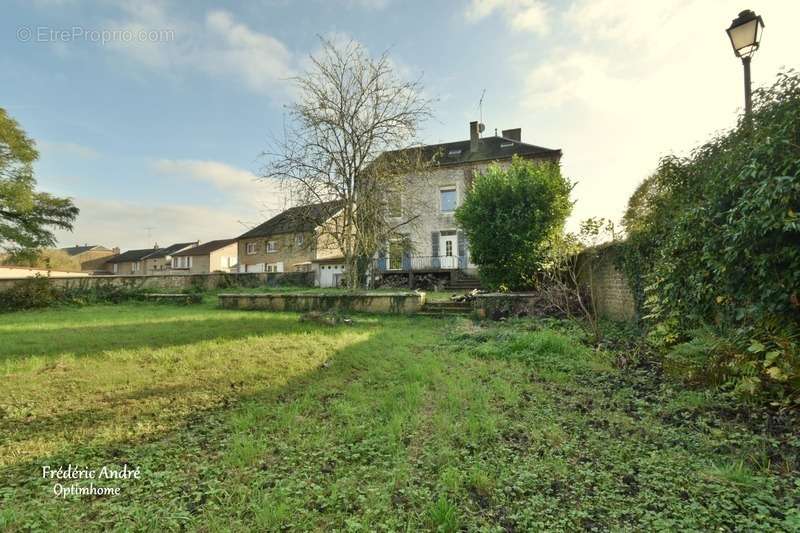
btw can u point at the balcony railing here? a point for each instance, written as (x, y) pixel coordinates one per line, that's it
(417, 263)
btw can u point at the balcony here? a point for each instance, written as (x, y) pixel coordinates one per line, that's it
(418, 263)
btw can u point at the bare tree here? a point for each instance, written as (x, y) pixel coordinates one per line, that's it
(348, 146)
(567, 281)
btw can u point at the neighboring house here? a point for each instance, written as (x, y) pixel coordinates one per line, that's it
(213, 256)
(160, 260)
(147, 261)
(292, 241)
(433, 243)
(92, 258)
(129, 263)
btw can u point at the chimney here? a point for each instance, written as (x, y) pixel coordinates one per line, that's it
(115, 250)
(473, 136)
(513, 134)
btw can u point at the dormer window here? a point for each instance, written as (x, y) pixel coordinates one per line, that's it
(454, 151)
(506, 145)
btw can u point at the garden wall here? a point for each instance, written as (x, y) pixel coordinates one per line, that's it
(178, 282)
(611, 291)
(387, 302)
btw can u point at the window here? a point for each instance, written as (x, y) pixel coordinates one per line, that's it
(115, 268)
(300, 240)
(448, 248)
(182, 262)
(448, 199)
(394, 204)
(395, 255)
(272, 247)
(506, 145)
(454, 151)
(251, 248)
(274, 267)
(136, 266)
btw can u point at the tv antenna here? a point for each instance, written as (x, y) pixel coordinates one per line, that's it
(480, 112)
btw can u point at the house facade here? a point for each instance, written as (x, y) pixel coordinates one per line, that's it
(92, 258)
(129, 263)
(291, 241)
(213, 256)
(160, 260)
(433, 242)
(147, 261)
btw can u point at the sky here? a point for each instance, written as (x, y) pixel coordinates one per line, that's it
(152, 115)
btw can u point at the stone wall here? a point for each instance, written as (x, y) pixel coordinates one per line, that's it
(388, 302)
(610, 288)
(178, 282)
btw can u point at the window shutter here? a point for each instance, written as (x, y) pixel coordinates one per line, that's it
(435, 249)
(382, 260)
(462, 249)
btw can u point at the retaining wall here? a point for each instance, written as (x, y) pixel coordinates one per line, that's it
(177, 282)
(389, 302)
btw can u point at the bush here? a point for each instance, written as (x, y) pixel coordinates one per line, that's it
(29, 293)
(509, 215)
(714, 239)
(38, 292)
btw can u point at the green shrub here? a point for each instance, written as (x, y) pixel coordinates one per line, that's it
(509, 215)
(29, 293)
(744, 365)
(39, 291)
(714, 238)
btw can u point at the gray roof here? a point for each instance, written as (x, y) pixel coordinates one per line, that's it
(296, 220)
(77, 250)
(131, 255)
(205, 249)
(149, 253)
(489, 149)
(171, 249)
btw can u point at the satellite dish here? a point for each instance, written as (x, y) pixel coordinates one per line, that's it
(481, 127)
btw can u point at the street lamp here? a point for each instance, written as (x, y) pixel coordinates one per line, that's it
(745, 34)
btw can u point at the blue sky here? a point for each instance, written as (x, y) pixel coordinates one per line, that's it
(158, 139)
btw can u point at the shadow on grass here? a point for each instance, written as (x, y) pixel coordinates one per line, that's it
(90, 340)
(199, 436)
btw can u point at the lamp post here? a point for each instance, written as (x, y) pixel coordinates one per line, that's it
(745, 34)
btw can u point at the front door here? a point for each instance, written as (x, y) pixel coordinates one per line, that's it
(448, 256)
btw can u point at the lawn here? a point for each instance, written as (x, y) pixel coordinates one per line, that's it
(242, 421)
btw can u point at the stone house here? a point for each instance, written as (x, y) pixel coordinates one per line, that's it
(160, 260)
(433, 243)
(213, 256)
(292, 241)
(147, 261)
(92, 258)
(128, 263)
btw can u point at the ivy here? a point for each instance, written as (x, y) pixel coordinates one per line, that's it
(714, 240)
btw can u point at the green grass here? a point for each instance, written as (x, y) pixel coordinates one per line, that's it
(249, 421)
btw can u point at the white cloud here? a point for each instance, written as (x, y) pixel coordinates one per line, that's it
(133, 225)
(261, 61)
(219, 45)
(243, 187)
(520, 15)
(629, 81)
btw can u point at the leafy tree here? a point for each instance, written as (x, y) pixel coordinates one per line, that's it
(27, 216)
(509, 216)
(49, 259)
